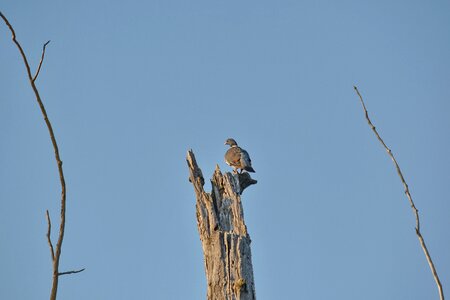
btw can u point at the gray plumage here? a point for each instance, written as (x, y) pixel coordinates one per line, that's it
(237, 157)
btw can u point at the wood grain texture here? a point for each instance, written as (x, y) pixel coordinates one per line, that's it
(223, 233)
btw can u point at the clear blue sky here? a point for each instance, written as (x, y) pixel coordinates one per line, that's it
(130, 87)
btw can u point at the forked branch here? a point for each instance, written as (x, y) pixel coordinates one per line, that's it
(40, 63)
(57, 252)
(408, 195)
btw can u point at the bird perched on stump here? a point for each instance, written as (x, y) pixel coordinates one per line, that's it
(237, 157)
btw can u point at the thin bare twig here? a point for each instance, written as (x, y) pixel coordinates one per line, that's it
(57, 252)
(42, 60)
(71, 272)
(49, 240)
(408, 195)
(17, 44)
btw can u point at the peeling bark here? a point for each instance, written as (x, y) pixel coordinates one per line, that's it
(223, 233)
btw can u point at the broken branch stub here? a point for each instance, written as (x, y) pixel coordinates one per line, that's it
(223, 233)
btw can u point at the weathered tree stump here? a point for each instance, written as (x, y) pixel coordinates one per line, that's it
(223, 233)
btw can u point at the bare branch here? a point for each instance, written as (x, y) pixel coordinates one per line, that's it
(71, 272)
(13, 33)
(42, 60)
(408, 195)
(49, 230)
(59, 163)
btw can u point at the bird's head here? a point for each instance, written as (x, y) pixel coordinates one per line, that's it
(230, 142)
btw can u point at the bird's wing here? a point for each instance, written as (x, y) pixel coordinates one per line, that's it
(245, 159)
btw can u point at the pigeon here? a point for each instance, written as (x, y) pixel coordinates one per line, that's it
(237, 157)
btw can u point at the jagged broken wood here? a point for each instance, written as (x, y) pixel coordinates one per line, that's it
(223, 233)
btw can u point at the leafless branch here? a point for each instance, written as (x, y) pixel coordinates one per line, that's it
(408, 195)
(40, 63)
(59, 163)
(17, 44)
(49, 240)
(71, 272)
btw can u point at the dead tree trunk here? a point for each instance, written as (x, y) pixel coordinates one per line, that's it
(223, 233)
